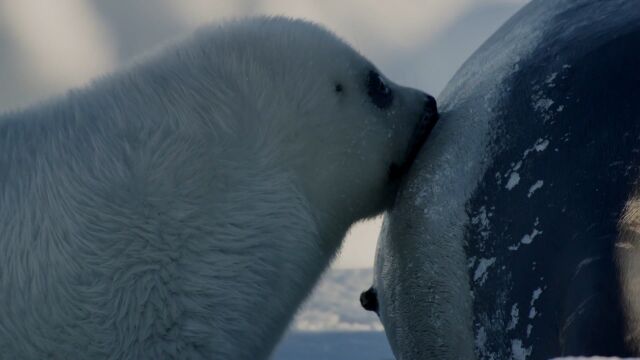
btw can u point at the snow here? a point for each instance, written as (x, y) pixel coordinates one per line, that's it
(480, 275)
(514, 317)
(518, 352)
(514, 179)
(543, 104)
(536, 294)
(527, 238)
(481, 339)
(332, 325)
(541, 145)
(482, 220)
(538, 184)
(334, 305)
(549, 80)
(584, 263)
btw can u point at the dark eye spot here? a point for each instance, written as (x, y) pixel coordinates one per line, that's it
(380, 94)
(339, 88)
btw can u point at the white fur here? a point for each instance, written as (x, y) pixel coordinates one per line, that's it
(183, 208)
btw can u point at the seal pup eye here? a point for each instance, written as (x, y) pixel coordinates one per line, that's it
(378, 91)
(338, 88)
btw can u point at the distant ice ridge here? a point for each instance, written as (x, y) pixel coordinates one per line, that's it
(335, 305)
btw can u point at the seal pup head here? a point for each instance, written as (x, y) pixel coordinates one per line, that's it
(324, 113)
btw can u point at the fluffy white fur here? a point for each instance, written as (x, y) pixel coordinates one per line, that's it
(184, 207)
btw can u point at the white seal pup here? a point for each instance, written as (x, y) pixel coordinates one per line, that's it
(184, 207)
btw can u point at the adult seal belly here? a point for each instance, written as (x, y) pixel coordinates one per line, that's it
(515, 233)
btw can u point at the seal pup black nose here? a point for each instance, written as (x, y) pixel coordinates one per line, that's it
(430, 106)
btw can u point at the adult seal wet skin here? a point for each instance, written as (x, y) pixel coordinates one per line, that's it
(515, 234)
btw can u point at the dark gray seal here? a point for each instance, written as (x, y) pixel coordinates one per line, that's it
(515, 234)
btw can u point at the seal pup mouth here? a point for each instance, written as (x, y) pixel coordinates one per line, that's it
(420, 134)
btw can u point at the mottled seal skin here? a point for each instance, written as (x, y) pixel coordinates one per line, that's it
(515, 234)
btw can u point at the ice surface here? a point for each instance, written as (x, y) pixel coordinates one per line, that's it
(334, 305)
(371, 345)
(333, 326)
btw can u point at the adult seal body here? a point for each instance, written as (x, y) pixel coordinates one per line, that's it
(515, 234)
